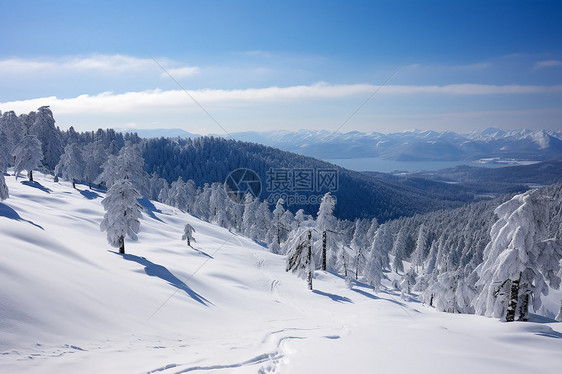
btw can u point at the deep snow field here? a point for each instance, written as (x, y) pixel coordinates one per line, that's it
(70, 304)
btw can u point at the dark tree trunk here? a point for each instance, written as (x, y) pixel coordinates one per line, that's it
(309, 257)
(513, 299)
(524, 307)
(324, 250)
(73, 183)
(122, 245)
(31, 175)
(188, 242)
(431, 300)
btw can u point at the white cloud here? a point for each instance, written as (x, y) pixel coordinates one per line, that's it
(548, 64)
(182, 72)
(178, 100)
(99, 63)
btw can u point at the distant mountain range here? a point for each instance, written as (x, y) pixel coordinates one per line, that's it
(415, 145)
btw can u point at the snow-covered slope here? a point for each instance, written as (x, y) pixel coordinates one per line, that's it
(70, 304)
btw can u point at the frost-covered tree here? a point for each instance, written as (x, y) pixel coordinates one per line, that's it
(299, 255)
(325, 223)
(122, 213)
(452, 292)
(14, 129)
(520, 259)
(282, 225)
(407, 282)
(421, 244)
(5, 152)
(71, 164)
(4, 162)
(559, 315)
(49, 136)
(359, 245)
(378, 257)
(251, 205)
(399, 251)
(94, 155)
(27, 155)
(188, 231)
(128, 164)
(156, 185)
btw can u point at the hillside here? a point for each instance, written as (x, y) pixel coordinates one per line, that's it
(498, 179)
(69, 303)
(208, 159)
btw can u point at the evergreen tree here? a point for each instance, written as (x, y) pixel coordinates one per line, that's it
(122, 215)
(421, 243)
(27, 155)
(326, 223)
(14, 129)
(49, 136)
(94, 155)
(399, 251)
(128, 164)
(299, 255)
(71, 164)
(378, 257)
(3, 187)
(5, 152)
(519, 261)
(188, 234)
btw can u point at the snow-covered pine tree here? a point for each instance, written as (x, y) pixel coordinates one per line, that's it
(325, 223)
(279, 229)
(417, 257)
(188, 231)
(559, 316)
(5, 160)
(407, 282)
(122, 213)
(299, 255)
(128, 164)
(94, 155)
(359, 245)
(14, 129)
(49, 136)
(4, 193)
(71, 164)
(251, 205)
(378, 257)
(27, 155)
(519, 261)
(399, 251)
(5, 152)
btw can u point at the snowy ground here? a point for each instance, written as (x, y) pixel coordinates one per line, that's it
(70, 304)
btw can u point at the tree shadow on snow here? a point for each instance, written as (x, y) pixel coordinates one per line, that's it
(155, 270)
(366, 294)
(202, 253)
(149, 208)
(332, 296)
(37, 185)
(540, 319)
(8, 212)
(90, 195)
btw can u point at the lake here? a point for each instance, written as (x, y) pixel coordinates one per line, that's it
(386, 166)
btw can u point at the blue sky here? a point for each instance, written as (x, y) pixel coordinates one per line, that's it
(259, 65)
